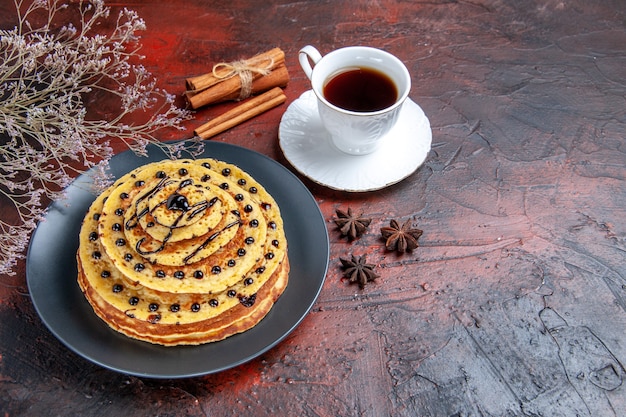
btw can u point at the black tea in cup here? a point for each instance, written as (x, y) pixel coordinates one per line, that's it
(361, 90)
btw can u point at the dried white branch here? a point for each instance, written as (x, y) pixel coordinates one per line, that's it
(47, 74)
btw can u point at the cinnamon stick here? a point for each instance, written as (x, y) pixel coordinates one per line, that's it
(245, 111)
(224, 84)
(270, 60)
(229, 89)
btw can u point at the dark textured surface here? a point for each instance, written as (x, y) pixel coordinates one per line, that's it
(515, 302)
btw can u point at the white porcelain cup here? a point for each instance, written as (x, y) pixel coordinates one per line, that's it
(355, 132)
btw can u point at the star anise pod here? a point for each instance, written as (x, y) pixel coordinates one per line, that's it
(400, 238)
(358, 270)
(351, 225)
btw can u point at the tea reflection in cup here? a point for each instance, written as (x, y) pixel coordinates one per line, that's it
(360, 92)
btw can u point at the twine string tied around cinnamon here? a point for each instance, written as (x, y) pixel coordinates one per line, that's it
(245, 72)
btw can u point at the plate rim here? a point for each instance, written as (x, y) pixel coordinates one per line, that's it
(235, 152)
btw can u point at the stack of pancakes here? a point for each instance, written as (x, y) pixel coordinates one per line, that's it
(183, 252)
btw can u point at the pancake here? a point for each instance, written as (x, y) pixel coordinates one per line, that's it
(183, 252)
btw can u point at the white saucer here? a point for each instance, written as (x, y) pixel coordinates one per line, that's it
(307, 146)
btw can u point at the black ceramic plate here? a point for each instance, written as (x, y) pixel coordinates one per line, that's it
(51, 275)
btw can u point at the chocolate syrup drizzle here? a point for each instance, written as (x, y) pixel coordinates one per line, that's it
(175, 202)
(209, 240)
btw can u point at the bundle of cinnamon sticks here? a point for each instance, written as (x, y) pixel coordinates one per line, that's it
(263, 73)
(224, 83)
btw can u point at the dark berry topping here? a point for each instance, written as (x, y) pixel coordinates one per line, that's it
(247, 208)
(247, 301)
(96, 255)
(105, 274)
(160, 273)
(224, 186)
(272, 224)
(205, 178)
(231, 293)
(226, 172)
(124, 196)
(254, 223)
(206, 165)
(150, 224)
(249, 240)
(216, 270)
(128, 257)
(139, 267)
(179, 274)
(248, 281)
(117, 288)
(153, 307)
(213, 302)
(195, 307)
(183, 172)
(139, 183)
(120, 242)
(231, 262)
(238, 197)
(269, 255)
(96, 216)
(198, 274)
(177, 202)
(241, 252)
(260, 270)
(119, 212)
(93, 236)
(133, 301)
(160, 174)
(253, 190)
(175, 308)
(242, 181)
(116, 227)
(275, 243)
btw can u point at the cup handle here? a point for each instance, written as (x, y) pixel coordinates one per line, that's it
(305, 56)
